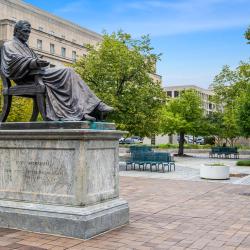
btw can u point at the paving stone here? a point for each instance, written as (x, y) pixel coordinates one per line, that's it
(170, 214)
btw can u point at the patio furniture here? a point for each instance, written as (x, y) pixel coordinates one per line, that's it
(224, 152)
(158, 160)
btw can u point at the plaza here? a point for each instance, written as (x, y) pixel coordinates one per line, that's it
(65, 181)
(173, 210)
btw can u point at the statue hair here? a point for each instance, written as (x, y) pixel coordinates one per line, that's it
(19, 25)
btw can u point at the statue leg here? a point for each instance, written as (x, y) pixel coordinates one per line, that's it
(35, 111)
(6, 108)
(41, 105)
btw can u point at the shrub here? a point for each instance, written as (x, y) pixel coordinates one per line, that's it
(245, 163)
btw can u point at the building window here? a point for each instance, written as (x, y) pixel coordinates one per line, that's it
(169, 93)
(176, 93)
(39, 44)
(63, 52)
(210, 105)
(52, 48)
(74, 56)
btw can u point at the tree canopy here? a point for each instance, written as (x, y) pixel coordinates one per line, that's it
(119, 71)
(183, 115)
(232, 94)
(247, 34)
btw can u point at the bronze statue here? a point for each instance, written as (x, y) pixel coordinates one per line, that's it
(67, 96)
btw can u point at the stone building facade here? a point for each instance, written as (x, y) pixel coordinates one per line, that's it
(205, 95)
(57, 40)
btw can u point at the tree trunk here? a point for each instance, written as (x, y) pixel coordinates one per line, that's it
(153, 140)
(181, 144)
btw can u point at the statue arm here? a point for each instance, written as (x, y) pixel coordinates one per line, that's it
(38, 63)
(33, 64)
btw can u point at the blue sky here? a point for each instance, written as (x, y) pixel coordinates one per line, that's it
(196, 37)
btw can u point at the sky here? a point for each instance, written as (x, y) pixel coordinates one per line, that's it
(196, 37)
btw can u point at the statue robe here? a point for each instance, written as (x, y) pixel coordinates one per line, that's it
(67, 96)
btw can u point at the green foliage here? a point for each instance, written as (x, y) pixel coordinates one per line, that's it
(232, 94)
(243, 111)
(245, 163)
(118, 71)
(247, 35)
(186, 146)
(21, 108)
(183, 115)
(244, 115)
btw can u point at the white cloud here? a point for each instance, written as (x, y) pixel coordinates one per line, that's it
(159, 17)
(167, 27)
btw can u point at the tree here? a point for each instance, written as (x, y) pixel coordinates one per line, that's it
(213, 124)
(232, 94)
(183, 115)
(247, 34)
(243, 115)
(118, 71)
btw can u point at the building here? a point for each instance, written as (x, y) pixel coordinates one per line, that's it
(57, 40)
(205, 95)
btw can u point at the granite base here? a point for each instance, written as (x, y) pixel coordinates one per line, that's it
(60, 178)
(77, 222)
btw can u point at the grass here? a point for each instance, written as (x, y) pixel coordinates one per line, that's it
(215, 164)
(186, 146)
(244, 163)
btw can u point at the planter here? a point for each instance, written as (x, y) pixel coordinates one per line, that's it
(214, 172)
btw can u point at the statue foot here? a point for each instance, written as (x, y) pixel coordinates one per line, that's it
(102, 107)
(89, 118)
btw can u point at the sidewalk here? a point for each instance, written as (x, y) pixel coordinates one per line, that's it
(188, 168)
(164, 214)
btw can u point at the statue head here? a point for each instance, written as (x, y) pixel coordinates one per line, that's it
(22, 30)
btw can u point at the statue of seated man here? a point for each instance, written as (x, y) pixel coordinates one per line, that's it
(67, 96)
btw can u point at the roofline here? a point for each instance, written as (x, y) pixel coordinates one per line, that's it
(47, 14)
(190, 86)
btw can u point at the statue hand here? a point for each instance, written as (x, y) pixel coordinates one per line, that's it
(42, 63)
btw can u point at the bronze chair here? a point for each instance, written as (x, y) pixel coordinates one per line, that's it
(36, 91)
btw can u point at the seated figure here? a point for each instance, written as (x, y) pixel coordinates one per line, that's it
(67, 96)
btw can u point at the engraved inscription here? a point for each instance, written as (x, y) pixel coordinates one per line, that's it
(41, 171)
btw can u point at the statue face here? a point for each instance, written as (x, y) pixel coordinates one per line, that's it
(23, 33)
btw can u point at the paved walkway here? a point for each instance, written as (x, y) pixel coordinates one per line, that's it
(188, 168)
(164, 214)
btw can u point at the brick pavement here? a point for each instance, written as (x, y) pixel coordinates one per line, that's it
(164, 214)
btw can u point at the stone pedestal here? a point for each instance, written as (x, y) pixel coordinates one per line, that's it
(60, 178)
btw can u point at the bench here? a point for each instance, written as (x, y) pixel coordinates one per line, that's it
(143, 160)
(224, 152)
(143, 148)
